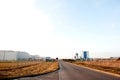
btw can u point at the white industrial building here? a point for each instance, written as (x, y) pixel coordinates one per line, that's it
(8, 55)
(13, 55)
(47, 59)
(35, 57)
(22, 55)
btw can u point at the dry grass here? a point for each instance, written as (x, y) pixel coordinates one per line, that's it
(106, 65)
(14, 69)
(12, 64)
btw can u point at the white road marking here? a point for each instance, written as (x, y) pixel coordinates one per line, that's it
(60, 72)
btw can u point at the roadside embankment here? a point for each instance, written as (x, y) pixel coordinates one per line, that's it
(27, 68)
(112, 66)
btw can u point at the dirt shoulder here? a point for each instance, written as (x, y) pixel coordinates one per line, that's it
(107, 66)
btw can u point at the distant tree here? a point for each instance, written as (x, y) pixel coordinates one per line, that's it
(118, 58)
(57, 58)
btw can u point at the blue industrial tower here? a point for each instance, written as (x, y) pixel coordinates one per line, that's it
(85, 55)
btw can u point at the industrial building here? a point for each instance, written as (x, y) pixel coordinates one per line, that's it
(8, 55)
(35, 57)
(85, 55)
(22, 55)
(13, 55)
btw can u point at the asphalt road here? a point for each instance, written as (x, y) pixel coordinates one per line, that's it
(49, 76)
(69, 71)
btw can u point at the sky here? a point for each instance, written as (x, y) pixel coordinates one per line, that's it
(61, 28)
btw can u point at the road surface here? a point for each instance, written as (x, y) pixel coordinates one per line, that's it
(69, 71)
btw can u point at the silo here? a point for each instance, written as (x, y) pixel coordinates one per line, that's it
(85, 55)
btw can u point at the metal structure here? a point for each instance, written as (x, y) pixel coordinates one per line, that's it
(85, 55)
(76, 55)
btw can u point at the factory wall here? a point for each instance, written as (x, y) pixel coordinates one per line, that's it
(22, 55)
(7, 55)
(17, 55)
(1, 55)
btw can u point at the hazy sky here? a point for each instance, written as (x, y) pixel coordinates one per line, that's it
(60, 28)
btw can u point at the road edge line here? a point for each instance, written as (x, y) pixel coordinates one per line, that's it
(60, 69)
